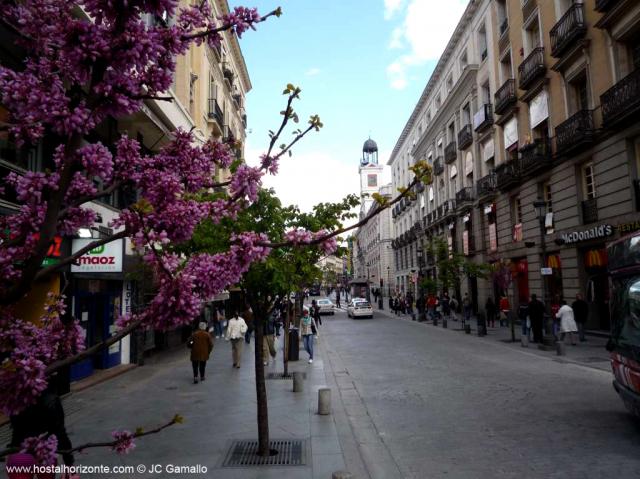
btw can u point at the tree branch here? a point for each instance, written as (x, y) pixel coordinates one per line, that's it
(226, 27)
(153, 97)
(53, 367)
(87, 198)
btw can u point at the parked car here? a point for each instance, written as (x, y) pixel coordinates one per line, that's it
(359, 308)
(326, 306)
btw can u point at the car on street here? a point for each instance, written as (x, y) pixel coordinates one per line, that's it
(314, 291)
(326, 306)
(359, 308)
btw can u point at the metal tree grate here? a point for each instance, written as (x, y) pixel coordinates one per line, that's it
(243, 453)
(284, 376)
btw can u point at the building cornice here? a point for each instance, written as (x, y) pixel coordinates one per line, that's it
(464, 22)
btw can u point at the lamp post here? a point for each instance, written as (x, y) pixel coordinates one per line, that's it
(388, 280)
(541, 212)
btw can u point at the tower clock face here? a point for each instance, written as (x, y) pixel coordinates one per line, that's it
(372, 181)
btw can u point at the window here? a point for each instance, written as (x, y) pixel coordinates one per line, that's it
(463, 60)
(438, 102)
(466, 114)
(503, 18)
(482, 43)
(578, 94)
(431, 196)
(588, 181)
(486, 93)
(506, 68)
(532, 39)
(546, 195)
(450, 82)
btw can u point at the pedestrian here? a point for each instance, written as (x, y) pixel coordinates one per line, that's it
(45, 416)
(248, 319)
(523, 315)
(555, 307)
(505, 310)
(453, 306)
(218, 322)
(268, 340)
(467, 307)
(201, 345)
(307, 328)
(315, 312)
(581, 315)
(490, 310)
(390, 303)
(432, 304)
(236, 330)
(567, 322)
(536, 315)
(444, 302)
(396, 305)
(338, 294)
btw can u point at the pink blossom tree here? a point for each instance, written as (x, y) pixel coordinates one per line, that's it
(87, 61)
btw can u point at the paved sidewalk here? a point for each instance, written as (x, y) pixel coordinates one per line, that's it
(591, 353)
(217, 411)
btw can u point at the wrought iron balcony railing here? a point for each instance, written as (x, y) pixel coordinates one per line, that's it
(483, 117)
(215, 112)
(532, 68)
(575, 132)
(464, 195)
(605, 5)
(568, 29)
(622, 100)
(589, 211)
(505, 97)
(535, 157)
(508, 175)
(465, 137)
(450, 152)
(448, 208)
(486, 185)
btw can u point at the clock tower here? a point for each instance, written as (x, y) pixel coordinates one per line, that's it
(370, 175)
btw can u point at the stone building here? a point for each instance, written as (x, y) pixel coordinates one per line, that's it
(555, 144)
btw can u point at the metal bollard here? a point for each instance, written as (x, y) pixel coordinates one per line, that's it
(298, 382)
(524, 340)
(324, 401)
(444, 323)
(560, 348)
(342, 475)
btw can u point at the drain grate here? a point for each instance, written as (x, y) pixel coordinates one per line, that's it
(243, 453)
(283, 376)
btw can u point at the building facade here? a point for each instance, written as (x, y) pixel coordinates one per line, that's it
(554, 144)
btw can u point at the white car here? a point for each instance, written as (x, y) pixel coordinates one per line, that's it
(326, 306)
(359, 308)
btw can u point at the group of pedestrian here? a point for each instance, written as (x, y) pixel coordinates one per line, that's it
(401, 303)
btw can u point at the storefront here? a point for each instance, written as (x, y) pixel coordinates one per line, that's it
(97, 302)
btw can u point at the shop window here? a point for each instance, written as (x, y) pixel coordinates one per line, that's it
(588, 182)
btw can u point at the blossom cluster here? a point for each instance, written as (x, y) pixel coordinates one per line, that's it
(123, 442)
(42, 448)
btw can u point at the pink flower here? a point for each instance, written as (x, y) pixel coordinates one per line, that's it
(42, 448)
(123, 442)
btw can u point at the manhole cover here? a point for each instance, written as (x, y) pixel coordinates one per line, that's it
(243, 453)
(284, 376)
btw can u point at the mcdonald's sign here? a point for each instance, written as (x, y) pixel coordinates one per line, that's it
(553, 261)
(596, 258)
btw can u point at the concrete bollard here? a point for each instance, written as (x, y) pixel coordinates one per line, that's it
(324, 401)
(342, 475)
(467, 329)
(298, 382)
(560, 348)
(524, 340)
(444, 323)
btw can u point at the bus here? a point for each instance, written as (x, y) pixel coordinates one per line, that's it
(624, 344)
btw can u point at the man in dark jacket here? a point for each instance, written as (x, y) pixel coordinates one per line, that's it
(536, 315)
(581, 314)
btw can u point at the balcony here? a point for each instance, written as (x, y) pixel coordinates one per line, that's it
(508, 175)
(448, 208)
(486, 185)
(589, 211)
(227, 134)
(604, 6)
(465, 137)
(532, 68)
(505, 97)
(450, 153)
(535, 157)
(576, 132)
(483, 117)
(622, 100)
(528, 7)
(227, 72)
(568, 29)
(438, 166)
(464, 196)
(636, 191)
(215, 113)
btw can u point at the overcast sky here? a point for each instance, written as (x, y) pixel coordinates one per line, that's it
(361, 64)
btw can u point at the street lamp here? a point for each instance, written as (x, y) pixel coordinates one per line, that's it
(540, 207)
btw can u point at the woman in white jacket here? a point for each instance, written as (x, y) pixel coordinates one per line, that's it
(235, 332)
(567, 322)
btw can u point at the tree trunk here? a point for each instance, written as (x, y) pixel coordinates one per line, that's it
(261, 387)
(285, 348)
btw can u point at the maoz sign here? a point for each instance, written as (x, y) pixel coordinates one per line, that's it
(103, 259)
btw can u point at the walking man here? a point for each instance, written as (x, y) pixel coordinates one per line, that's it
(201, 345)
(581, 314)
(467, 307)
(567, 322)
(536, 315)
